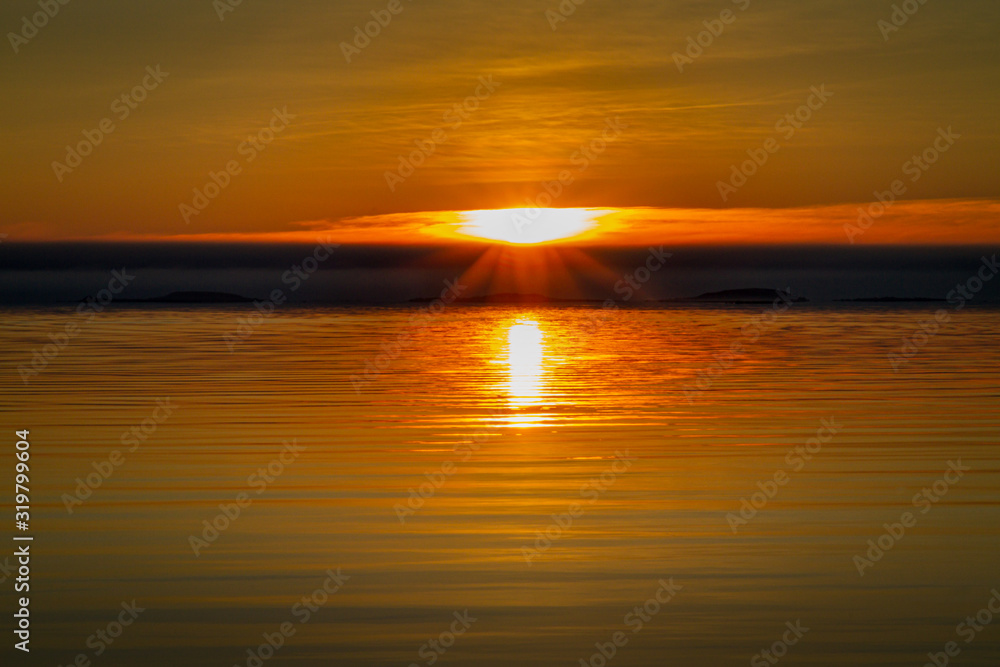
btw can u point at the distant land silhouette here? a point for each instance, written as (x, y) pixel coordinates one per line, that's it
(748, 295)
(753, 295)
(893, 299)
(742, 296)
(193, 297)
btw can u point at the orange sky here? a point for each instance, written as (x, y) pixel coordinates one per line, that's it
(938, 222)
(502, 106)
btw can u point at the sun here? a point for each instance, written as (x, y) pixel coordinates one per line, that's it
(528, 226)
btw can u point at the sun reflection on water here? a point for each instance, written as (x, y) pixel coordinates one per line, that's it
(525, 354)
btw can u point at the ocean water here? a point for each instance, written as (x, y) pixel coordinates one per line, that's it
(496, 485)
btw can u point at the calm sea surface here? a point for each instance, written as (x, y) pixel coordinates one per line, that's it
(532, 469)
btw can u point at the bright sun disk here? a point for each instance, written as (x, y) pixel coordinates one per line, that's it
(526, 226)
